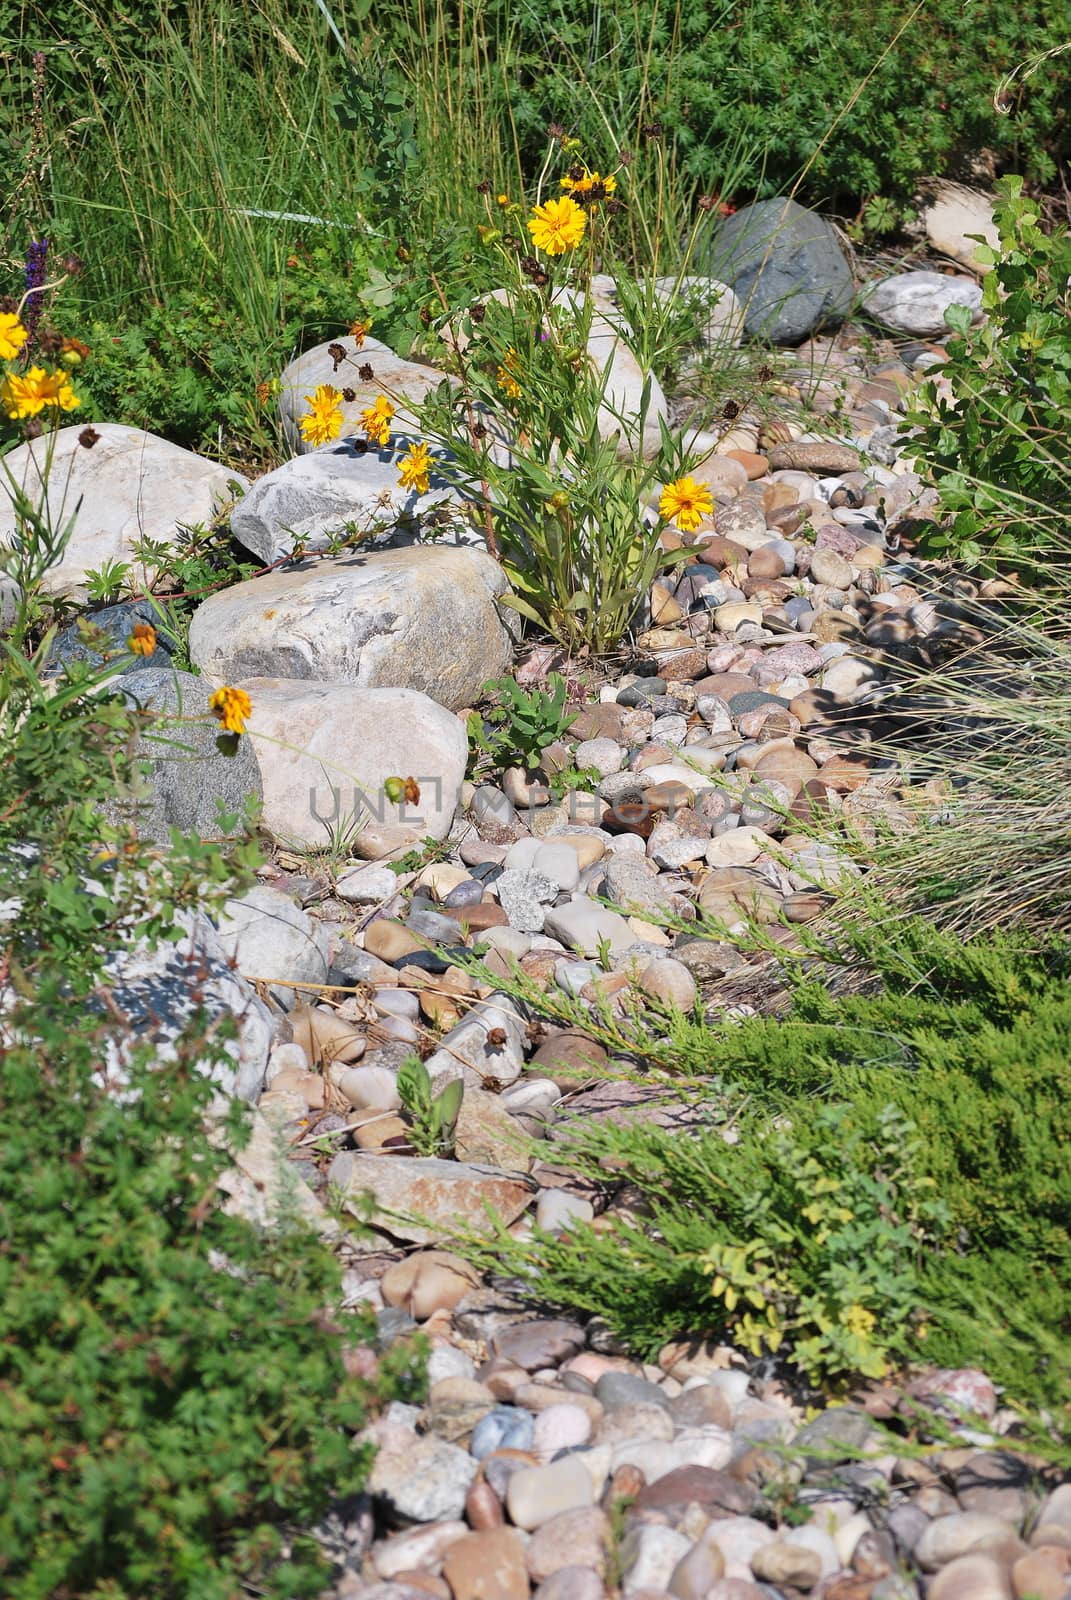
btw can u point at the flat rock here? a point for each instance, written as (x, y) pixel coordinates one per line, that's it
(489, 1565)
(447, 1194)
(785, 266)
(129, 487)
(916, 302)
(326, 750)
(420, 618)
(341, 489)
(950, 214)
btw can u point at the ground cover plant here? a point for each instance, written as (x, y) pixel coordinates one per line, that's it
(895, 1161)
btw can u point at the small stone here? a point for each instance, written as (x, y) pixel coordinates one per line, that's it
(560, 1427)
(578, 1538)
(974, 1577)
(416, 1548)
(504, 1428)
(783, 1563)
(669, 982)
(489, 1565)
(571, 1583)
(483, 1508)
(649, 1556)
(830, 568)
(825, 457)
(426, 1282)
(738, 1539)
(422, 1479)
(538, 1343)
(367, 886)
(1044, 1574)
(536, 1494)
(695, 1573)
(961, 1533)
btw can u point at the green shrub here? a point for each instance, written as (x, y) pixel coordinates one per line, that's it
(176, 1409)
(867, 97)
(899, 1162)
(999, 445)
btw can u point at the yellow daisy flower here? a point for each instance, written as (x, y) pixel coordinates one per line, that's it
(231, 707)
(558, 226)
(142, 641)
(591, 186)
(12, 336)
(502, 199)
(322, 422)
(375, 420)
(414, 467)
(27, 394)
(505, 376)
(686, 503)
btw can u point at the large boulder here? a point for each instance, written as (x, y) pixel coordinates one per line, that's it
(127, 486)
(786, 267)
(341, 488)
(189, 779)
(326, 751)
(271, 940)
(916, 302)
(419, 618)
(401, 381)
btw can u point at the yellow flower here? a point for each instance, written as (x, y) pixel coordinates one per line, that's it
(414, 468)
(857, 1319)
(322, 422)
(231, 707)
(142, 641)
(591, 186)
(12, 336)
(359, 332)
(27, 394)
(505, 378)
(557, 226)
(685, 502)
(375, 420)
(502, 199)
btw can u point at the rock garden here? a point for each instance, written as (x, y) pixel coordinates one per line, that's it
(535, 905)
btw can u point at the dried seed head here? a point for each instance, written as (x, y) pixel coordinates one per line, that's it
(88, 438)
(337, 352)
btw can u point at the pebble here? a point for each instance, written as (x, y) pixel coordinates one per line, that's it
(488, 1565)
(536, 1494)
(579, 1538)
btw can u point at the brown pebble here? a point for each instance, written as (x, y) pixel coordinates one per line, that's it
(766, 562)
(719, 551)
(424, 1583)
(754, 465)
(483, 1508)
(625, 1484)
(484, 914)
(844, 774)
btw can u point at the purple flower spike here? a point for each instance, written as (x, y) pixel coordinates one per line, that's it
(36, 272)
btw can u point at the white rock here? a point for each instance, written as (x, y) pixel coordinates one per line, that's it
(738, 848)
(326, 750)
(951, 214)
(399, 380)
(130, 486)
(649, 1554)
(716, 307)
(582, 924)
(274, 941)
(915, 302)
(367, 886)
(558, 862)
(557, 1209)
(421, 618)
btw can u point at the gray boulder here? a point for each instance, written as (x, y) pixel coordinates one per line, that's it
(418, 618)
(343, 488)
(189, 778)
(785, 266)
(161, 992)
(406, 383)
(116, 622)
